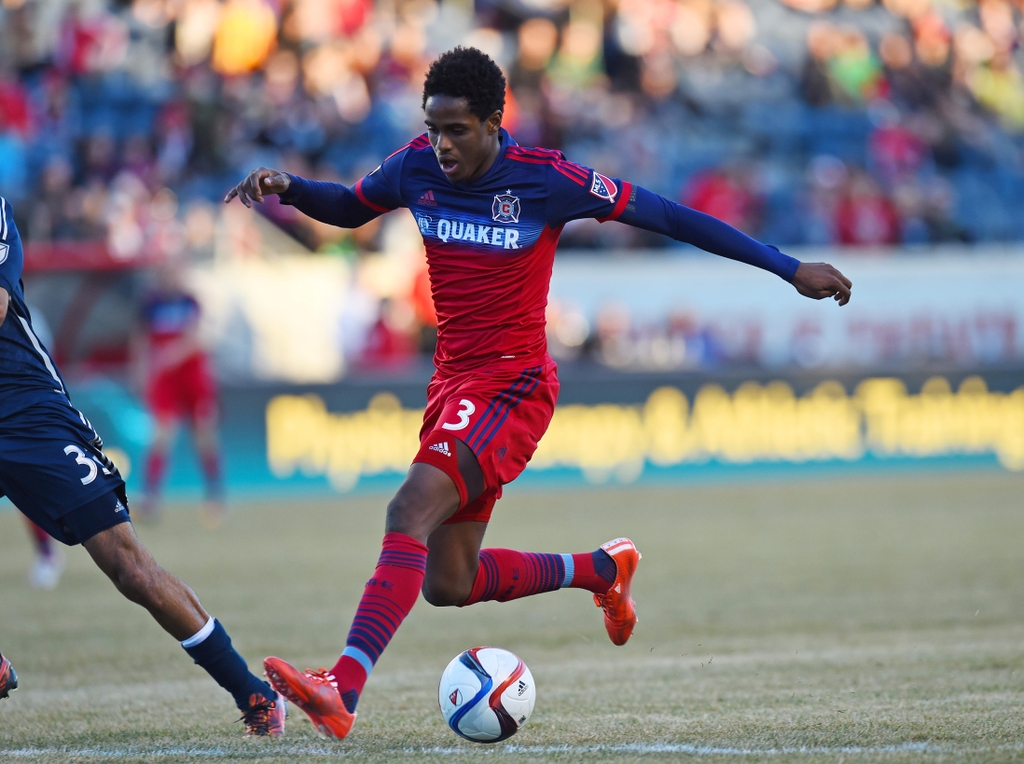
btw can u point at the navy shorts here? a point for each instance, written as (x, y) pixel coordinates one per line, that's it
(52, 467)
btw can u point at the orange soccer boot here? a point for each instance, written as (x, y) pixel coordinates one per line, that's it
(315, 692)
(265, 718)
(8, 679)
(619, 608)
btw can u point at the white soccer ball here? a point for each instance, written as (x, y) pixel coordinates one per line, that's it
(486, 694)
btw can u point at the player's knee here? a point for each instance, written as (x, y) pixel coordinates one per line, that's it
(413, 513)
(445, 592)
(134, 582)
(404, 514)
(137, 578)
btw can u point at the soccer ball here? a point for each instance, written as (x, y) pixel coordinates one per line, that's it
(486, 694)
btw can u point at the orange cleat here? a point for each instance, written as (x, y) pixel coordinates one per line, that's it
(315, 692)
(619, 608)
(265, 718)
(8, 679)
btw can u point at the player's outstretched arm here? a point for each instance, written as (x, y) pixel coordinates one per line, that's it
(260, 181)
(656, 213)
(331, 203)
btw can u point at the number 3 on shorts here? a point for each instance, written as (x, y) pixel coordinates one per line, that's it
(82, 458)
(466, 409)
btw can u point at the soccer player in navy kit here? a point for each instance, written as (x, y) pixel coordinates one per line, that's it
(52, 467)
(490, 213)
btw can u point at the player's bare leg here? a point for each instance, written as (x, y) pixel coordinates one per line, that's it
(120, 554)
(453, 558)
(213, 512)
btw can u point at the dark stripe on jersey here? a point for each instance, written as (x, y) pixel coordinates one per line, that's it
(552, 163)
(557, 156)
(571, 176)
(419, 142)
(490, 413)
(560, 162)
(501, 405)
(534, 382)
(565, 164)
(542, 153)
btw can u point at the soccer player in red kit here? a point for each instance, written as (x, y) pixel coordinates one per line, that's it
(179, 386)
(490, 213)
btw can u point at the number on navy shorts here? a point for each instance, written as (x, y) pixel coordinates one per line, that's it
(88, 461)
(466, 409)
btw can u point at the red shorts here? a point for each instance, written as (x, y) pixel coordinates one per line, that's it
(186, 391)
(501, 415)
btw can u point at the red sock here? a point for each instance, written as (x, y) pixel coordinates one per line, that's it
(505, 574)
(387, 600)
(156, 463)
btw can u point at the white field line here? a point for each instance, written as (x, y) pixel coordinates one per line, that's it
(504, 750)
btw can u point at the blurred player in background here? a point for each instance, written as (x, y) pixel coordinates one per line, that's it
(49, 562)
(490, 213)
(53, 469)
(179, 386)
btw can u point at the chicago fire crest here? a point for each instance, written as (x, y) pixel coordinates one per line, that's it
(505, 208)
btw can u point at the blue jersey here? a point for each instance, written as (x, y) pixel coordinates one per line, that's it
(28, 375)
(491, 242)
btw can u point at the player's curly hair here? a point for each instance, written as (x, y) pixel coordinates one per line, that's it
(467, 73)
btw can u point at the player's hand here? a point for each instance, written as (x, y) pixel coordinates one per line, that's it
(260, 181)
(821, 280)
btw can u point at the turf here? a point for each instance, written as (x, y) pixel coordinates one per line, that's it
(876, 619)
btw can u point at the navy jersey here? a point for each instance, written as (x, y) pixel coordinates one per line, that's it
(491, 242)
(28, 375)
(52, 464)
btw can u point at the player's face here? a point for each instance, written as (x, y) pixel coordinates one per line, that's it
(464, 145)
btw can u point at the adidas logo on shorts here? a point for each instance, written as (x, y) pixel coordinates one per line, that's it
(118, 507)
(441, 448)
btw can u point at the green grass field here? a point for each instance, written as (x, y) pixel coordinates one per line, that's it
(866, 619)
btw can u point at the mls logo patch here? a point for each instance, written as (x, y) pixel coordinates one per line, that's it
(4, 249)
(603, 188)
(505, 208)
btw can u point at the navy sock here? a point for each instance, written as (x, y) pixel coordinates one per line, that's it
(604, 565)
(228, 668)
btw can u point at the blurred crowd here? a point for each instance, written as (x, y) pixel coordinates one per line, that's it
(855, 122)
